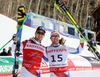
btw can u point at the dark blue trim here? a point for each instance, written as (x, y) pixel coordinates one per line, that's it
(38, 75)
(45, 58)
(75, 52)
(69, 74)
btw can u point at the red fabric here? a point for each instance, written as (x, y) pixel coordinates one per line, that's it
(60, 74)
(31, 56)
(59, 71)
(82, 45)
(32, 71)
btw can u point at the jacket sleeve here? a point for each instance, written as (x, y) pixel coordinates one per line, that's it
(45, 55)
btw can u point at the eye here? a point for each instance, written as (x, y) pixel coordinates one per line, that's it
(40, 33)
(54, 36)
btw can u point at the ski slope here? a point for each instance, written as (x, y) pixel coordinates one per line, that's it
(7, 29)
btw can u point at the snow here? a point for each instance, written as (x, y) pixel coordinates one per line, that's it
(7, 29)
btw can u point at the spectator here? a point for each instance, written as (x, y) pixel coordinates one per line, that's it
(4, 53)
(9, 51)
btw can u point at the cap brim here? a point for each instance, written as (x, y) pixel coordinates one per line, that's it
(41, 29)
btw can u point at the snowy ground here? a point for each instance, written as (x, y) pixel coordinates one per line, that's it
(89, 73)
(86, 73)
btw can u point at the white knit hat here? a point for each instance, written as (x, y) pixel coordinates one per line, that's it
(55, 32)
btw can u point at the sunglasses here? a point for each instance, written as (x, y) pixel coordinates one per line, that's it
(54, 36)
(40, 33)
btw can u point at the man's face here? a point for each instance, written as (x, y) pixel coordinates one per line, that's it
(55, 38)
(39, 35)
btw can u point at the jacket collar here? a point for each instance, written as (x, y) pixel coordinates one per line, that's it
(33, 39)
(55, 45)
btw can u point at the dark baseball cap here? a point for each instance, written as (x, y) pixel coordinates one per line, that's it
(41, 28)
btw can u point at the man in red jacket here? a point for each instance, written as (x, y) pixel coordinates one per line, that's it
(33, 52)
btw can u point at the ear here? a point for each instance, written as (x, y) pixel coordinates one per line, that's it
(50, 37)
(35, 33)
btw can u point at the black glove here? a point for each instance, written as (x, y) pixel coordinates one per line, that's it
(62, 41)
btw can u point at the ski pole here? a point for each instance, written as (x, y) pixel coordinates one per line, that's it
(63, 8)
(5, 44)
